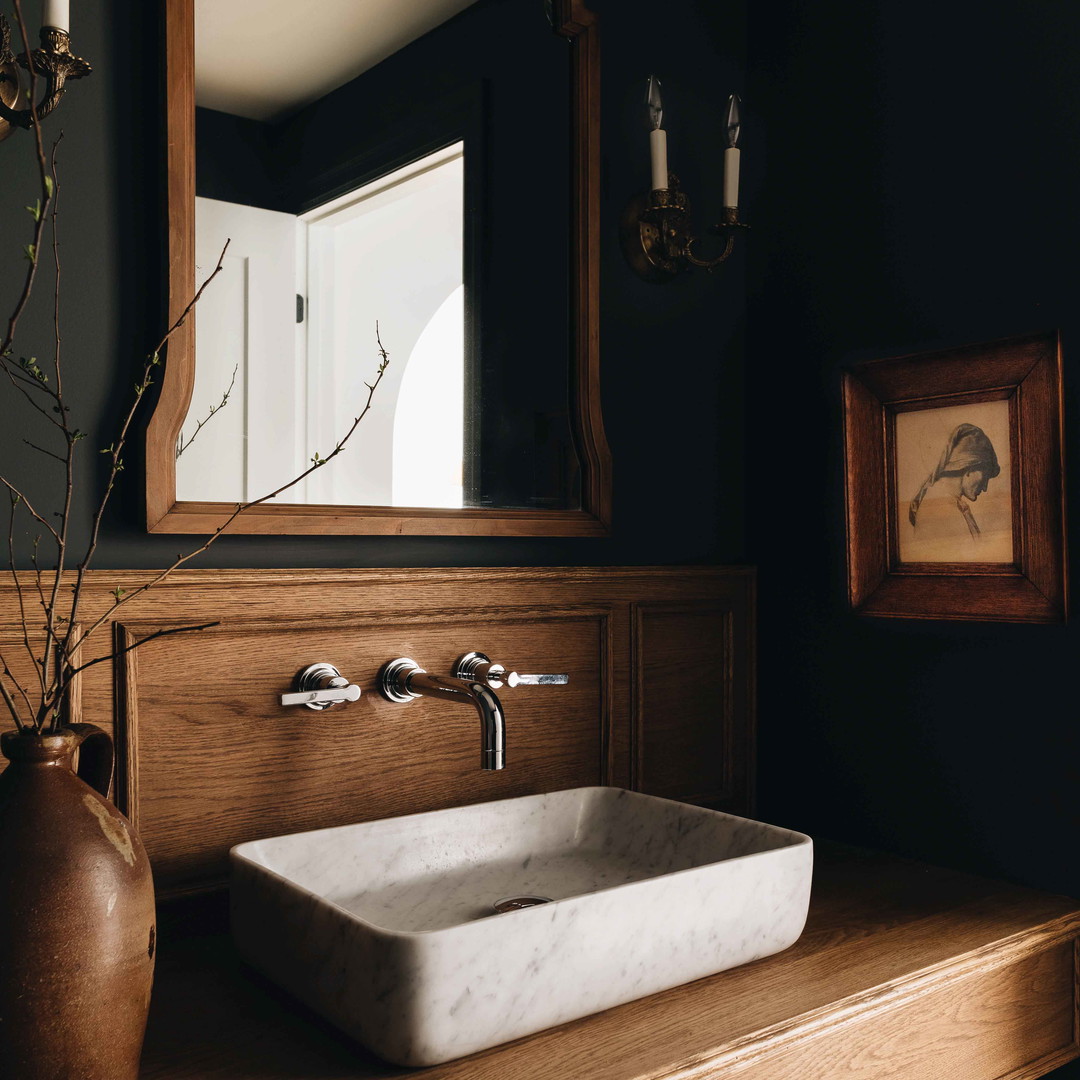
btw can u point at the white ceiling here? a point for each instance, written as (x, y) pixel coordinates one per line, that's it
(264, 58)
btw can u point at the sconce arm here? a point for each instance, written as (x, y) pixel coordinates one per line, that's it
(656, 236)
(708, 264)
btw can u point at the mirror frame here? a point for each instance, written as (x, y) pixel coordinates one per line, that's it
(164, 514)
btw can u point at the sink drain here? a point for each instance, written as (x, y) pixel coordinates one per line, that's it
(516, 903)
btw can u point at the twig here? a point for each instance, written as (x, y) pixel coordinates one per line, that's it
(16, 493)
(181, 446)
(136, 644)
(70, 438)
(42, 450)
(117, 461)
(33, 250)
(56, 264)
(19, 592)
(15, 682)
(8, 700)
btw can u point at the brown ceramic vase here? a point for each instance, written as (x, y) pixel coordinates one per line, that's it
(76, 914)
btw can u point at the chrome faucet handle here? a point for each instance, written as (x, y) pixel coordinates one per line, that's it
(475, 665)
(514, 679)
(321, 686)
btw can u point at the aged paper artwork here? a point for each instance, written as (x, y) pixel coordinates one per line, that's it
(954, 484)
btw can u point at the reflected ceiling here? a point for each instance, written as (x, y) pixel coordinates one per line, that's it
(238, 42)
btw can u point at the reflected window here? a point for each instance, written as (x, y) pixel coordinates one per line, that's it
(299, 313)
(429, 426)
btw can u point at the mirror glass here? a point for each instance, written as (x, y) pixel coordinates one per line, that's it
(394, 173)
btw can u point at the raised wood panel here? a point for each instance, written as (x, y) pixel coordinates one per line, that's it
(690, 738)
(208, 758)
(216, 760)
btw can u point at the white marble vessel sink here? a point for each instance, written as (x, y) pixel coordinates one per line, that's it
(388, 928)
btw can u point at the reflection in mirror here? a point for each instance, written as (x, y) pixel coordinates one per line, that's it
(423, 174)
(324, 248)
(288, 331)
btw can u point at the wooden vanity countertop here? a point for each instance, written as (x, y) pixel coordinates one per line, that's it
(904, 972)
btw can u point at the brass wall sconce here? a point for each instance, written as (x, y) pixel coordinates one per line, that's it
(54, 62)
(655, 229)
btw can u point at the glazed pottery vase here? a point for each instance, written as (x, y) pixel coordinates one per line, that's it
(77, 935)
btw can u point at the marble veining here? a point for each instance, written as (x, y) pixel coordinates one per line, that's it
(387, 929)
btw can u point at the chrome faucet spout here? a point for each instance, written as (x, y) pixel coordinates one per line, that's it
(402, 680)
(492, 722)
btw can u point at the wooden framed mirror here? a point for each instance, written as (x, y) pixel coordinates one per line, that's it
(567, 487)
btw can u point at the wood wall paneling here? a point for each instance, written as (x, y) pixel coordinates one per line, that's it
(683, 737)
(217, 760)
(660, 695)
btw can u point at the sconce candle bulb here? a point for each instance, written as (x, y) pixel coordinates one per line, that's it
(57, 13)
(731, 154)
(654, 110)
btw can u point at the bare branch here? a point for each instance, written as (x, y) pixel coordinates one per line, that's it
(42, 450)
(31, 379)
(8, 701)
(181, 446)
(19, 593)
(70, 437)
(152, 361)
(40, 591)
(136, 644)
(16, 493)
(56, 285)
(34, 249)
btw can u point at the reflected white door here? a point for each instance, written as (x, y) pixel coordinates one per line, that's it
(245, 322)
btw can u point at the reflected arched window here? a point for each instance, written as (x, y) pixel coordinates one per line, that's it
(429, 422)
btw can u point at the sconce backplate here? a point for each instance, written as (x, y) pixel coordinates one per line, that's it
(643, 240)
(9, 93)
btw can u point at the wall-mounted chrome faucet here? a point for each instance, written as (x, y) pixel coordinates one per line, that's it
(403, 680)
(321, 686)
(474, 680)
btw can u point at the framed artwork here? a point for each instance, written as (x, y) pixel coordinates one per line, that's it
(954, 487)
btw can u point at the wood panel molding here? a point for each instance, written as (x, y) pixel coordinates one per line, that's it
(208, 758)
(685, 672)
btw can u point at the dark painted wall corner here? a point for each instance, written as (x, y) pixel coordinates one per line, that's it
(918, 193)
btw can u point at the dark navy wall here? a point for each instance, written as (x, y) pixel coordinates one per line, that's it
(672, 367)
(918, 191)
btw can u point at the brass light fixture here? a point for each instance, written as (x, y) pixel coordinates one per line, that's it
(54, 62)
(656, 236)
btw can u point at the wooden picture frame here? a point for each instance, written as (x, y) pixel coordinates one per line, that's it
(995, 411)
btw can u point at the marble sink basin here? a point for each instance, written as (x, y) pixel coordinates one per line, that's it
(389, 930)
